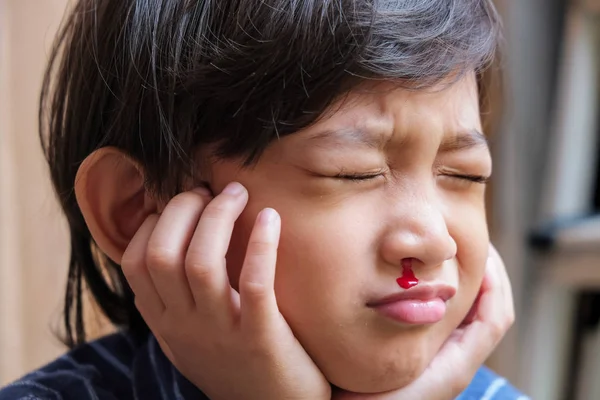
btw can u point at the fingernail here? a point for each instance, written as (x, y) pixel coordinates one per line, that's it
(268, 216)
(234, 189)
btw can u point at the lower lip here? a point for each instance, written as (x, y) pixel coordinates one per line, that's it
(415, 312)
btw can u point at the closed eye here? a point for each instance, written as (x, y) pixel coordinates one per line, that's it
(365, 177)
(357, 177)
(471, 178)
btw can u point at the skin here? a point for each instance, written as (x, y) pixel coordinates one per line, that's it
(262, 289)
(343, 241)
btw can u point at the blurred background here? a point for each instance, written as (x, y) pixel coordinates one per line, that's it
(543, 199)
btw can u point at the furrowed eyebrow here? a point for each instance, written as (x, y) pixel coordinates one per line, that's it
(361, 137)
(463, 141)
(352, 136)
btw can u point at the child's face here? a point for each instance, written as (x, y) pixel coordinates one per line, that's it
(343, 242)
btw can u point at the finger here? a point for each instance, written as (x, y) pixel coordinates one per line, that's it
(257, 279)
(484, 286)
(480, 337)
(168, 246)
(136, 272)
(472, 314)
(509, 309)
(472, 344)
(205, 260)
(497, 265)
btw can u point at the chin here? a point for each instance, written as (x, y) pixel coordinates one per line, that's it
(383, 372)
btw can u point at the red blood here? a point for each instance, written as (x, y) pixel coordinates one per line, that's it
(408, 278)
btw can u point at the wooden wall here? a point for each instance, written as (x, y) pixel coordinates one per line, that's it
(33, 249)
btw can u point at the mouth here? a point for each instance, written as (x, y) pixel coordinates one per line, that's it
(420, 305)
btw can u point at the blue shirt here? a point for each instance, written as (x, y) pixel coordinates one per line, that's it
(114, 367)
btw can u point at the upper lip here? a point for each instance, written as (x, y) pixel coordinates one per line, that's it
(422, 292)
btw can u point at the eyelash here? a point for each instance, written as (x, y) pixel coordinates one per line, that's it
(471, 178)
(357, 177)
(365, 177)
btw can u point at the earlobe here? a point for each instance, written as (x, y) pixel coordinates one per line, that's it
(110, 191)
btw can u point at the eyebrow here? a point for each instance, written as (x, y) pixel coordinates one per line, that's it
(355, 135)
(464, 140)
(351, 135)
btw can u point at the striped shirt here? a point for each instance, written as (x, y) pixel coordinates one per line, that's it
(114, 367)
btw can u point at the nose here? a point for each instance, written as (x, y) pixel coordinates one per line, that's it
(418, 231)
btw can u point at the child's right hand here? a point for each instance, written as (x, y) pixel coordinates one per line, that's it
(231, 346)
(469, 346)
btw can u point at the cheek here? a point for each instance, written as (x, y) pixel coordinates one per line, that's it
(316, 249)
(472, 242)
(315, 256)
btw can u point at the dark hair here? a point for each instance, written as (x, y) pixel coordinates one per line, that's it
(158, 79)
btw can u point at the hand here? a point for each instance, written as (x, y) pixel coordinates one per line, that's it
(468, 347)
(230, 345)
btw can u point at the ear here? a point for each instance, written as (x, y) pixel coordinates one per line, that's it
(110, 191)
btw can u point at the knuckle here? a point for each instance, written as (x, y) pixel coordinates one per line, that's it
(199, 271)
(132, 275)
(218, 208)
(498, 328)
(185, 199)
(162, 258)
(254, 290)
(129, 266)
(504, 323)
(260, 247)
(510, 320)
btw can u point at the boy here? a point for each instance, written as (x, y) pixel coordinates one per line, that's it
(275, 200)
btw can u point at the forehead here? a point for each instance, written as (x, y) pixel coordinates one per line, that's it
(371, 115)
